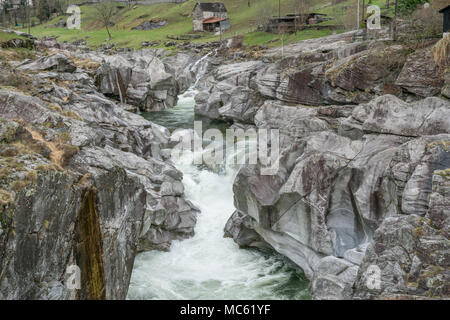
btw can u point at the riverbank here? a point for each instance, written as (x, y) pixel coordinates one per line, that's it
(362, 180)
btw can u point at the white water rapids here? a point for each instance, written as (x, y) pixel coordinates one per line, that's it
(209, 266)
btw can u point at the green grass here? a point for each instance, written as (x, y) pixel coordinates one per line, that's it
(275, 40)
(243, 22)
(5, 36)
(337, 11)
(7, 54)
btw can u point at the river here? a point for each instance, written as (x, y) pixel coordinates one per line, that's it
(209, 266)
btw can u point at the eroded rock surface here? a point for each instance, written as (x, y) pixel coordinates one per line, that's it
(350, 175)
(144, 78)
(83, 182)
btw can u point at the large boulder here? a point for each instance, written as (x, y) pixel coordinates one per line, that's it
(240, 228)
(420, 75)
(333, 279)
(229, 96)
(138, 79)
(58, 62)
(179, 65)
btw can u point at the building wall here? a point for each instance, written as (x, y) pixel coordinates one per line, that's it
(198, 16)
(198, 25)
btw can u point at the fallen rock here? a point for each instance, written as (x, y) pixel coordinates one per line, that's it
(138, 79)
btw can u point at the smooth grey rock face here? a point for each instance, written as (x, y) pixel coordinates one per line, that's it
(145, 78)
(344, 169)
(355, 255)
(333, 192)
(390, 115)
(333, 279)
(179, 66)
(208, 105)
(58, 62)
(228, 96)
(238, 72)
(420, 75)
(116, 196)
(292, 121)
(240, 228)
(42, 246)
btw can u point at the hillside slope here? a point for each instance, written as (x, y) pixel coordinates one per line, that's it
(244, 21)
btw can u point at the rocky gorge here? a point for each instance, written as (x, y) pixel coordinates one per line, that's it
(83, 182)
(364, 179)
(364, 175)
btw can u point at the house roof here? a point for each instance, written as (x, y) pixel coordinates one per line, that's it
(212, 6)
(213, 20)
(444, 9)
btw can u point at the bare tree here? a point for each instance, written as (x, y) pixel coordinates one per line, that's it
(106, 11)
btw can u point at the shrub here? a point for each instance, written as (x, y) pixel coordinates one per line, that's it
(62, 138)
(4, 174)
(68, 152)
(19, 185)
(441, 52)
(31, 175)
(422, 25)
(407, 6)
(17, 80)
(47, 167)
(55, 107)
(5, 197)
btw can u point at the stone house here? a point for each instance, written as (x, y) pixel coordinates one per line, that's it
(209, 16)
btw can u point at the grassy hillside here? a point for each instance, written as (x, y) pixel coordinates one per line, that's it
(244, 20)
(8, 54)
(5, 36)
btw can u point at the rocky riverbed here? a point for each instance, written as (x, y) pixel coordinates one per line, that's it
(364, 178)
(363, 183)
(83, 181)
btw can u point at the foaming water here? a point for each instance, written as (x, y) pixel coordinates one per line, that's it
(209, 266)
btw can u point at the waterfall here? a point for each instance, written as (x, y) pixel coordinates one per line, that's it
(209, 266)
(200, 68)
